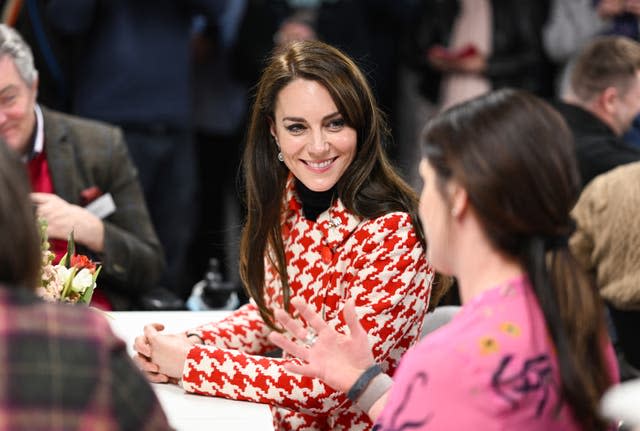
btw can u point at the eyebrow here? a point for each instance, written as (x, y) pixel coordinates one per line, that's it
(302, 120)
(7, 88)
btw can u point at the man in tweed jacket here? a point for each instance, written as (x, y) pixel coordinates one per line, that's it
(62, 366)
(83, 178)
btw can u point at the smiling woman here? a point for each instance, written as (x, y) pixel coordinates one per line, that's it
(328, 221)
(316, 144)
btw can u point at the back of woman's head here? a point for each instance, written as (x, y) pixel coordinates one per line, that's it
(20, 251)
(515, 157)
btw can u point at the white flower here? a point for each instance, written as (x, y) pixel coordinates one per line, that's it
(63, 273)
(82, 281)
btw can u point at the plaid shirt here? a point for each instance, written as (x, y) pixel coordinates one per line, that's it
(61, 368)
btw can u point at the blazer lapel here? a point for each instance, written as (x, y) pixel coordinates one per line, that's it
(61, 158)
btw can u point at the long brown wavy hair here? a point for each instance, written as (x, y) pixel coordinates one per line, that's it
(515, 157)
(369, 187)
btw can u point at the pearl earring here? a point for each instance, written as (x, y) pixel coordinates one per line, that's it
(280, 157)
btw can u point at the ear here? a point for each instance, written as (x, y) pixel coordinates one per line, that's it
(272, 128)
(607, 100)
(34, 88)
(459, 199)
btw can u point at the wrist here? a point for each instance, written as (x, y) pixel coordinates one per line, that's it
(363, 380)
(194, 338)
(90, 231)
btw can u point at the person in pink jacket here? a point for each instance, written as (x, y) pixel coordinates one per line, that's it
(528, 350)
(328, 221)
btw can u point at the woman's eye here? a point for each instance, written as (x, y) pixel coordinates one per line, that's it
(336, 124)
(295, 128)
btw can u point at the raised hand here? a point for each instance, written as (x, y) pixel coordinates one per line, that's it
(63, 217)
(337, 359)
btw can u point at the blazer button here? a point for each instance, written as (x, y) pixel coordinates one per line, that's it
(326, 254)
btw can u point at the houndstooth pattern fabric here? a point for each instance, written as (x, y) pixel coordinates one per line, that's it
(379, 262)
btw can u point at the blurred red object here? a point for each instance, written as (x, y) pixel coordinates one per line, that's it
(440, 52)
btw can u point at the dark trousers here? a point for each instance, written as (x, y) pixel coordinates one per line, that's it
(221, 212)
(166, 164)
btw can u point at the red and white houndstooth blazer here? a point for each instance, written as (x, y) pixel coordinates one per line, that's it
(379, 262)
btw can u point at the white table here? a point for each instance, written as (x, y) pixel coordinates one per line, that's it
(622, 402)
(187, 412)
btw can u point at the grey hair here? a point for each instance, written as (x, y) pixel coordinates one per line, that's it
(14, 46)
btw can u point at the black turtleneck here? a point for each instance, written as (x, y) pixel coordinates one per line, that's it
(313, 203)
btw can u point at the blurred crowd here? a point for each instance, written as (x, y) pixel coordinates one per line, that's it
(178, 79)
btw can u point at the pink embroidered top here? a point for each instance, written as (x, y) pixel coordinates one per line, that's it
(379, 262)
(493, 367)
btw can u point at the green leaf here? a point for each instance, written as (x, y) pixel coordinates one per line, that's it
(71, 249)
(86, 296)
(65, 260)
(67, 284)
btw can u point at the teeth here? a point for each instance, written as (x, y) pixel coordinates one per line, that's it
(320, 165)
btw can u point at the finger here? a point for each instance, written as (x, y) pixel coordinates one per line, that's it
(145, 364)
(311, 317)
(292, 367)
(293, 326)
(39, 198)
(289, 346)
(351, 318)
(141, 346)
(157, 377)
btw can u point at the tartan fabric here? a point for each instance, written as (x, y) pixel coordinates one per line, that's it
(61, 368)
(84, 155)
(378, 262)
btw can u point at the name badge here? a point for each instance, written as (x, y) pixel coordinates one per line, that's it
(102, 207)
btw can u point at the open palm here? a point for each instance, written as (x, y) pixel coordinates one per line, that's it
(337, 359)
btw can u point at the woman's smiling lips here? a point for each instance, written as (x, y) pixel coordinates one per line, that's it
(319, 166)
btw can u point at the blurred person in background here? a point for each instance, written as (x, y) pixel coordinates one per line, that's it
(607, 244)
(601, 102)
(63, 368)
(131, 67)
(459, 49)
(83, 181)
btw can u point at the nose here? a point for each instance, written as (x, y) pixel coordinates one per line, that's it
(319, 144)
(3, 117)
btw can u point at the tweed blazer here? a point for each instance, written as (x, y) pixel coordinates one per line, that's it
(83, 154)
(378, 262)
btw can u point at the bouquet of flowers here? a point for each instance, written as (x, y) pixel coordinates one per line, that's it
(72, 280)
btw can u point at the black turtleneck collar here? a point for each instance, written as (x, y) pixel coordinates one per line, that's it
(313, 203)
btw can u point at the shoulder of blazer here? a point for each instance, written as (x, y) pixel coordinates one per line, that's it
(85, 138)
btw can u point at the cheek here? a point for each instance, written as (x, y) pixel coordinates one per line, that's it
(346, 141)
(290, 145)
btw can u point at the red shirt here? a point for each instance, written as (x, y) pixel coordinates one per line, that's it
(41, 182)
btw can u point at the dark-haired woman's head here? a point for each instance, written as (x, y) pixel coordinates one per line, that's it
(314, 116)
(508, 158)
(513, 156)
(20, 251)
(302, 75)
